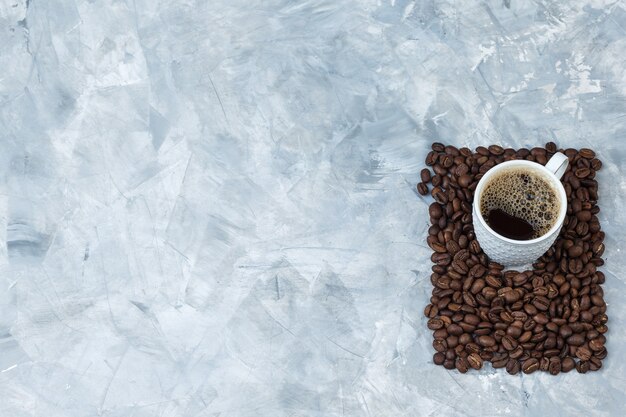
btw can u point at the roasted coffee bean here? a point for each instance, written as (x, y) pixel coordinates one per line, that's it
(596, 164)
(422, 188)
(455, 329)
(477, 271)
(541, 303)
(486, 341)
(435, 211)
(576, 340)
(583, 353)
(582, 172)
(514, 331)
(493, 281)
(499, 362)
(452, 247)
(440, 345)
(475, 361)
(431, 311)
(462, 365)
(517, 352)
(554, 366)
(582, 367)
(439, 358)
(509, 343)
(598, 248)
(447, 161)
(530, 365)
(565, 331)
(425, 175)
(437, 247)
(460, 267)
(512, 366)
(441, 259)
(464, 180)
(567, 364)
(596, 345)
(551, 147)
(587, 153)
(438, 147)
(435, 324)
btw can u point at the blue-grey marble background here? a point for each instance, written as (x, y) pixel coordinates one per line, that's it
(207, 208)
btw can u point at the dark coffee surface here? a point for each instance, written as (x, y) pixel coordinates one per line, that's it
(551, 318)
(525, 195)
(509, 226)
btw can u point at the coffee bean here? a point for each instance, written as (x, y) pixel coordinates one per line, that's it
(486, 341)
(582, 172)
(475, 361)
(455, 329)
(435, 211)
(576, 340)
(551, 147)
(431, 311)
(598, 248)
(496, 150)
(440, 345)
(460, 267)
(437, 147)
(567, 364)
(530, 365)
(425, 175)
(437, 247)
(555, 366)
(441, 259)
(462, 365)
(513, 367)
(587, 153)
(582, 367)
(565, 331)
(509, 343)
(452, 247)
(596, 345)
(493, 281)
(435, 323)
(499, 362)
(596, 164)
(541, 303)
(575, 251)
(446, 161)
(583, 353)
(584, 215)
(464, 180)
(452, 150)
(439, 195)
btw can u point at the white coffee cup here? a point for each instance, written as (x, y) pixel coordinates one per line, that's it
(511, 252)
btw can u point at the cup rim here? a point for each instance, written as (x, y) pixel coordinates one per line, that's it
(529, 164)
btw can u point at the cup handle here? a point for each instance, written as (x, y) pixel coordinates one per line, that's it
(557, 164)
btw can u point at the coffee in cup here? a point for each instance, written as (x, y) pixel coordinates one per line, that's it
(519, 203)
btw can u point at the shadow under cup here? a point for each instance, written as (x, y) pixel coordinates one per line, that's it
(497, 189)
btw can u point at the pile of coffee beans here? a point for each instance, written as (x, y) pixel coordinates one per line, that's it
(551, 318)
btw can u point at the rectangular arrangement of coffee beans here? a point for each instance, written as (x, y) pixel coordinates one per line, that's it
(551, 318)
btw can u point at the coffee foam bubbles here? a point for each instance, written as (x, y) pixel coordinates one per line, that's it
(524, 194)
